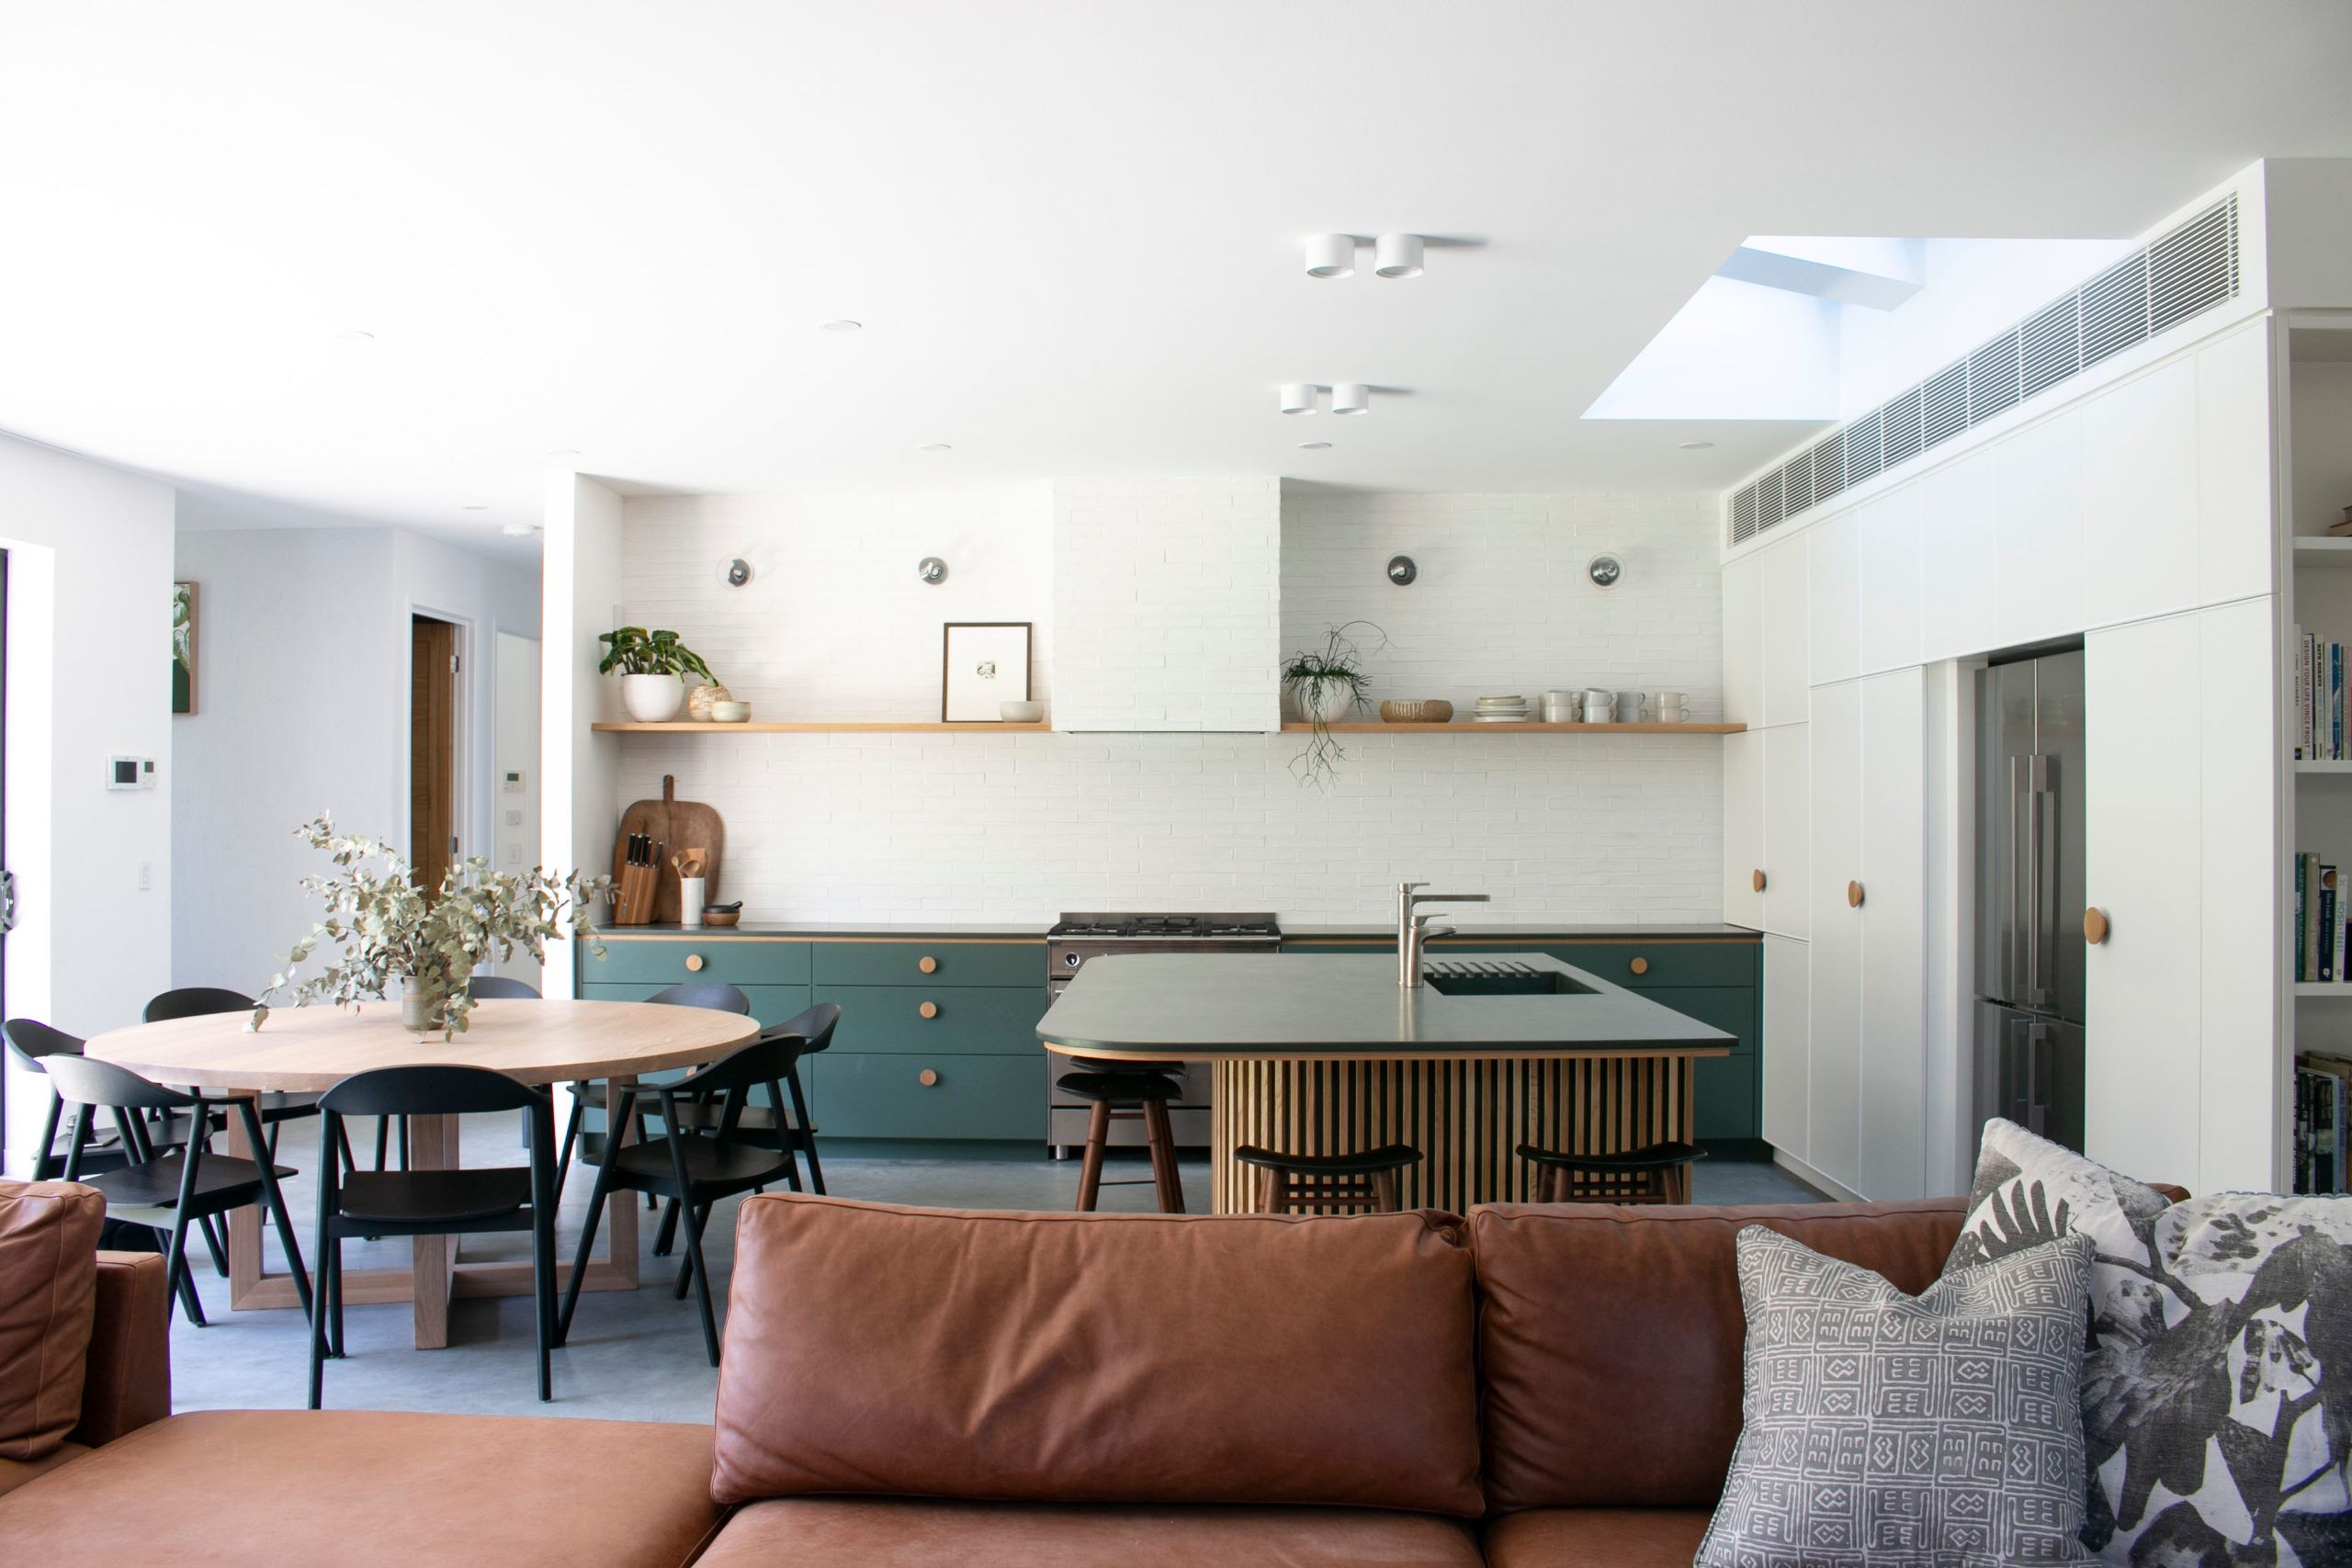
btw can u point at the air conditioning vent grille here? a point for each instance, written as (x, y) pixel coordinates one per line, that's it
(2187, 270)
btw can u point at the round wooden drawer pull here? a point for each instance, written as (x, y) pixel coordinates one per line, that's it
(695, 962)
(1640, 966)
(928, 965)
(929, 1009)
(1756, 880)
(2094, 925)
(1853, 895)
(928, 1077)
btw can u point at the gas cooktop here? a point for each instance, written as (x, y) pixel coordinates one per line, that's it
(1166, 928)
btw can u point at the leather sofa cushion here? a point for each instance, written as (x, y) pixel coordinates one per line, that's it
(1098, 1358)
(1610, 1338)
(15, 1472)
(128, 1382)
(49, 1265)
(909, 1532)
(1596, 1538)
(236, 1488)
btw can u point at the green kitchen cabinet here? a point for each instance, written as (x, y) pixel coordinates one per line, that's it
(770, 1004)
(971, 1021)
(891, 1095)
(947, 962)
(1727, 1086)
(659, 961)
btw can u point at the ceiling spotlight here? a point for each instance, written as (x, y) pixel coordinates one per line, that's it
(1396, 255)
(1315, 445)
(1351, 397)
(936, 446)
(474, 506)
(1331, 256)
(352, 334)
(840, 325)
(519, 530)
(1299, 397)
(1693, 446)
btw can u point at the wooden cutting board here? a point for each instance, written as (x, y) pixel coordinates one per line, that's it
(675, 826)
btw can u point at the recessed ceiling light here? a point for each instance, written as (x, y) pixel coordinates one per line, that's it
(1315, 445)
(474, 506)
(841, 324)
(352, 334)
(1694, 446)
(519, 530)
(937, 446)
(564, 452)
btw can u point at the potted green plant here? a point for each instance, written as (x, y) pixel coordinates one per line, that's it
(1328, 683)
(651, 664)
(385, 930)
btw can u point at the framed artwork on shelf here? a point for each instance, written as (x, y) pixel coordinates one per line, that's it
(985, 665)
(183, 648)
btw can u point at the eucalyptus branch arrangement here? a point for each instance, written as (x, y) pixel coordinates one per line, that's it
(383, 927)
(633, 651)
(1328, 683)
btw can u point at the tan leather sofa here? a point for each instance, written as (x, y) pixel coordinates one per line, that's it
(1529, 1386)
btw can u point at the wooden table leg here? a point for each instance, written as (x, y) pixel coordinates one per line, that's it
(244, 1230)
(433, 1145)
(620, 1209)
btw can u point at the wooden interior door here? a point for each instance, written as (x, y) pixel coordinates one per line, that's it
(433, 749)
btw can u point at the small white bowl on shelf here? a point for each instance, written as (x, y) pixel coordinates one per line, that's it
(1021, 713)
(729, 713)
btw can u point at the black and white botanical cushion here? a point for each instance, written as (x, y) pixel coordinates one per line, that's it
(1943, 1430)
(2217, 1400)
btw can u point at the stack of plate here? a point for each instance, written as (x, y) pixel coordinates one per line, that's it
(1502, 710)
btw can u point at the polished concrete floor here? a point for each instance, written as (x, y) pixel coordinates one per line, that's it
(633, 1355)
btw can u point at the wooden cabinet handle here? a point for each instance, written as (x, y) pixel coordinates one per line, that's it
(927, 964)
(928, 1077)
(2094, 925)
(1639, 967)
(694, 963)
(1756, 880)
(929, 1009)
(1853, 895)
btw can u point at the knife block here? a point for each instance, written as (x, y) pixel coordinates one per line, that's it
(633, 895)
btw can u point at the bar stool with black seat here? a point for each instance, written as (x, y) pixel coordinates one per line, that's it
(1656, 1173)
(697, 1168)
(208, 1001)
(469, 1202)
(167, 1190)
(1296, 1183)
(1126, 1092)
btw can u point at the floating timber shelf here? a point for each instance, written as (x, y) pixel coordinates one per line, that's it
(687, 727)
(1467, 727)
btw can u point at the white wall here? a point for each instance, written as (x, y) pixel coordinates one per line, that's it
(580, 596)
(89, 579)
(303, 706)
(990, 826)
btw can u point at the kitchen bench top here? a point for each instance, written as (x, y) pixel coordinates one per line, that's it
(886, 930)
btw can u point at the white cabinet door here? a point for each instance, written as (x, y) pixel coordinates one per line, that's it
(2143, 735)
(1894, 1035)
(1834, 578)
(1890, 580)
(1786, 1045)
(2038, 531)
(2233, 468)
(1781, 572)
(1744, 827)
(1833, 1120)
(1959, 590)
(2140, 496)
(1744, 641)
(2245, 1080)
(1787, 799)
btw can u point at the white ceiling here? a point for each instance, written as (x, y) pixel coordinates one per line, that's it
(1070, 226)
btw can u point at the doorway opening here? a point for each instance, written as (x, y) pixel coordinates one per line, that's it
(435, 661)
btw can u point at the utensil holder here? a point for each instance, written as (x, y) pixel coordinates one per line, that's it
(690, 900)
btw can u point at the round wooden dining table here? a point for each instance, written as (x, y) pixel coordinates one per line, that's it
(310, 1050)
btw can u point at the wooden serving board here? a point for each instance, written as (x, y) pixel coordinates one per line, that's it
(675, 826)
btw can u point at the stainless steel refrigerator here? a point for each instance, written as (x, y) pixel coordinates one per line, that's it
(2029, 876)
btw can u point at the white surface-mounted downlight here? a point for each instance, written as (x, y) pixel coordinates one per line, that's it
(841, 324)
(1299, 397)
(1331, 256)
(1315, 445)
(1693, 446)
(1351, 397)
(1396, 255)
(519, 530)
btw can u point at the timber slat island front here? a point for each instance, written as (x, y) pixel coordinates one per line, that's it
(1326, 1053)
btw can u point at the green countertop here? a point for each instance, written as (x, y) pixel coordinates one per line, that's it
(1188, 1007)
(883, 931)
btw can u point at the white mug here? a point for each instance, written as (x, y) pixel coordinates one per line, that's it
(1599, 707)
(1672, 707)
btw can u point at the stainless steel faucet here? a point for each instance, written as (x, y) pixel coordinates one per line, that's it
(1412, 934)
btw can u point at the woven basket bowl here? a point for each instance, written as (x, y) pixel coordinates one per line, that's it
(1426, 710)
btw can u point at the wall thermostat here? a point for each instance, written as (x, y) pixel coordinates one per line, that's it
(131, 772)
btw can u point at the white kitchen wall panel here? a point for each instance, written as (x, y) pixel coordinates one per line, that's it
(2140, 490)
(2243, 1077)
(1834, 606)
(2234, 456)
(1889, 544)
(1960, 592)
(1834, 1121)
(1743, 633)
(1743, 829)
(1787, 826)
(1893, 1040)
(2038, 531)
(1786, 633)
(1788, 980)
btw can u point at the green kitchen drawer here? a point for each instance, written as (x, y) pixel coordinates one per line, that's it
(770, 1004)
(879, 1095)
(1663, 962)
(1727, 1090)
(667, 960)
(968, 1021)
(959, 963)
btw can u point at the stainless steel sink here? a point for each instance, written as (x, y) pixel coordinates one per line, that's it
(1500, 979)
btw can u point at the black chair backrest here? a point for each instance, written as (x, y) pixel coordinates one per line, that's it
(498, 988)
(428, 1090)
(763, 1061)
(716, 994)
(196, 1001)
(815, 1027)
(33, 1041)
(86, 1082)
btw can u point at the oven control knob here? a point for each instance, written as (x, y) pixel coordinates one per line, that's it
(1071, 959)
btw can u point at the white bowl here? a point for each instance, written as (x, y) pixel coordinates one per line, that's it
(729, 713)
(1021, 713)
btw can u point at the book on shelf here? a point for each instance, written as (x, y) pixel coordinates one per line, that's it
(2322, 720)
(2323, 1113)
(2324, 947)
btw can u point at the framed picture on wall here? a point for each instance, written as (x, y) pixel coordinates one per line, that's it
(985, 665)
(183, 648)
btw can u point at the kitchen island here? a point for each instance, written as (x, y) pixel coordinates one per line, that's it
(1327, 1054)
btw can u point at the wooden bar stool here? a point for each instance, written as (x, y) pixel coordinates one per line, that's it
(1127, 1093)
(1659, 1173)
(1367, 1179)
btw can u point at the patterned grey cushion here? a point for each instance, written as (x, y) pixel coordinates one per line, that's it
(1881, 1429)
(2217, 1402)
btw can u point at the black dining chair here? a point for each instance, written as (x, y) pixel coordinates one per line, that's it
(695, 1168)
(167, 1189)
(211, 1001)
(499, 988)
(434, 1203)
(716, 996)
(768, 1125)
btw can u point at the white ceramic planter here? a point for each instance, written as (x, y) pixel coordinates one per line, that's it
(1327, 704)
(653, 699)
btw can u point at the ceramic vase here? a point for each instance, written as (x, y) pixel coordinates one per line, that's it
(653, 699)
